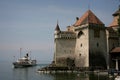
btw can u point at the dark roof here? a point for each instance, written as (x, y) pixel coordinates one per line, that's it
(116, 50)
(117, 12)
(88, 17)
(57, 28)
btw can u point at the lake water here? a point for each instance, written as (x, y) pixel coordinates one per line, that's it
(9, 73)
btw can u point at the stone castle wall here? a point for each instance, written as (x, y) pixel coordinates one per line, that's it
(65, 48)
(97, 47)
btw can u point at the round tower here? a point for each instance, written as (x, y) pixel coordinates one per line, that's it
(57, 31)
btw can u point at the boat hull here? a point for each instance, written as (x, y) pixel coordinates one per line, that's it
(23, 64)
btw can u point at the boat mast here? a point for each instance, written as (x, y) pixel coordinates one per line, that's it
(20, 52)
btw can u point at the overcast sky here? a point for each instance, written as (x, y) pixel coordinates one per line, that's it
(30, 24)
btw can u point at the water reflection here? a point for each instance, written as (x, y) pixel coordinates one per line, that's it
(70, 76)
(20, 74)
(31, 74)
(8, 73)
(80, 76)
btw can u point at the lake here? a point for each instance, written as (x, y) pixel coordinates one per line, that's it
(7, 72)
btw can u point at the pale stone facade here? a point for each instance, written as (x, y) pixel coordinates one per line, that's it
(82, 46)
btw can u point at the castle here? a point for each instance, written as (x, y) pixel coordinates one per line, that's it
(87, 43)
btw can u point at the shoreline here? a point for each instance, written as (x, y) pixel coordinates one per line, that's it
(74, 71)
(69, 70)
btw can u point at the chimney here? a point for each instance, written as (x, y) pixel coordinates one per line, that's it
(77, 18)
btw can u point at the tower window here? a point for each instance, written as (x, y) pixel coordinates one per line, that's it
(79, 54)
(97, 44)
(79, 34)
(81, 45)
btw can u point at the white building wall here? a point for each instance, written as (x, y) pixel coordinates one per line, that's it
(82, 49)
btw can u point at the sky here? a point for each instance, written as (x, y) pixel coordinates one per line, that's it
(30, 24)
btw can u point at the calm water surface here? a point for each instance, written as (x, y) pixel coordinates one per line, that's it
(9, 73)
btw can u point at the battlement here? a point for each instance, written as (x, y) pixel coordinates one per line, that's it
(66, 35)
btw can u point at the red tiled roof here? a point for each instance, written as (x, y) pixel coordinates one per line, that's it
(116, 50)
(88, 17)
(117, 12)
(115, 21)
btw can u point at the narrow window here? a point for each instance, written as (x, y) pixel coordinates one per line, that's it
(79, 34)
(81, 45)
(79, 54)
(97, 44)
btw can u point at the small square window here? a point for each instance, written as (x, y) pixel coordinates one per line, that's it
(81, 45)
(79, 54)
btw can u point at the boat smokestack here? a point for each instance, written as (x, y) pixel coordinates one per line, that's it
(27, 55)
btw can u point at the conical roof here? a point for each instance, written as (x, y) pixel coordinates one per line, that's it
(88, 18)
(117, 12)
(114, 23)
(57, 28)
(115, 20)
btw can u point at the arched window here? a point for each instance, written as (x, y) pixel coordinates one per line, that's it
(79, 34)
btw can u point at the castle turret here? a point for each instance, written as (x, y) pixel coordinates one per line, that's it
(57, 31)
(114, 23)
(113, 40)
(113, 28)
(64, 47)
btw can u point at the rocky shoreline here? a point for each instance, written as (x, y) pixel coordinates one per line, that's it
(51, 69)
